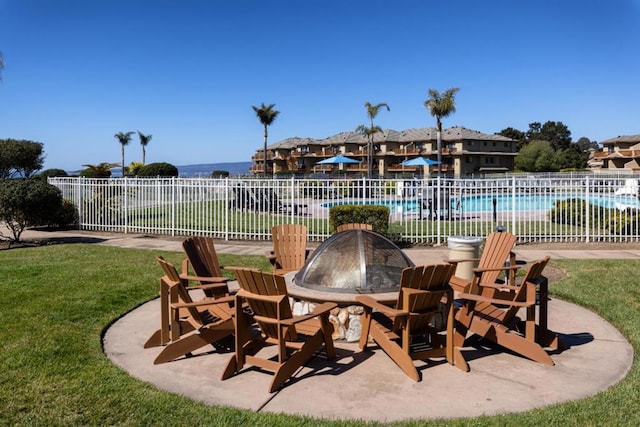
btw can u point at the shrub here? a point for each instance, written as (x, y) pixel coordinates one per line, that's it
(134, 168)
(27, 202)
(161, 169)
(377, 216)
(67, 215)
(625, 223)
(219, 174)
(51, 173)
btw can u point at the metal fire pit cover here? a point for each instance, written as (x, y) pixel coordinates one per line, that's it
(354, 261)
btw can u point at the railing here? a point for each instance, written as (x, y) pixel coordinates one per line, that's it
(595, 208)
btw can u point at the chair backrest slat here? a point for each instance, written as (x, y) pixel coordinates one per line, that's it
(290, 245)
(202, 256)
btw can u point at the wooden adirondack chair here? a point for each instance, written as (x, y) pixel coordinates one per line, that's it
(289, 247)
(187, 325)
(407, 332)
(202, 260)
(495, 318)
(297, 337)
(498, 248)
(354, 226)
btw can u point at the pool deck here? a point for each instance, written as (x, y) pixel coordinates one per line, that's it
(367, 385)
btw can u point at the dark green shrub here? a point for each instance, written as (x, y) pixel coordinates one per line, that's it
(220, 174)
(103, 170)
(161, 169)
(67, 215)
(624, 223)
(574, 212)
(27, 202)
(52, 173)
(376, 215)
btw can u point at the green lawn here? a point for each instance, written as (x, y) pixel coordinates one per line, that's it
(58, 300)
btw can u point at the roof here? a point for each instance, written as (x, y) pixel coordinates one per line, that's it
(293, 142)
(456, 133)
(623, 138)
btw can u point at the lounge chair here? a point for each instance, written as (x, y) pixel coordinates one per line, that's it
(494, 319)
(289, 247)
(409, 332)
(187, 325)
(497, 250)
(202, 260)
(269, 201)
(297, 338)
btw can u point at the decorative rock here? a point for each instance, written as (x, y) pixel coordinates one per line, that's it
(356, 309)
(355, 328)
(343, 317)
(298, 308)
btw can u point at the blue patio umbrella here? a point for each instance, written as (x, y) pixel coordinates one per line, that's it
(337, 160)
(419, 161)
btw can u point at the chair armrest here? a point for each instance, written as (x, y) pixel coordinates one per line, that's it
(203, 302)
(206, 279)
(318, 311)
(208, 286)
(455, 261)
(480, 298)
(499, 286)
(506, 267)
(385, 309)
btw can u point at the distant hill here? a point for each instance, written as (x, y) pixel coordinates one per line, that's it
(201, 170)
(205, 169)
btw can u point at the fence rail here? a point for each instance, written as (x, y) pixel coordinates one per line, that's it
(540, 208)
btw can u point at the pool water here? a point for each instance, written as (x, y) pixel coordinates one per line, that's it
(504, 202)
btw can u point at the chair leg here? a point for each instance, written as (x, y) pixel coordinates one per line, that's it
(396, 353)
(366, 328)
(523, 346)
(190, 343)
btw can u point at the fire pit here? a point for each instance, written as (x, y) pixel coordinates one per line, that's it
(350, 263)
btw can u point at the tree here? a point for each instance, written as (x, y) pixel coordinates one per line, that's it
(27, 202)
(20, 158)
(440, 106)
(537, 156)
(144, 140)
(514, 134)
(372, 112)
(123, 138)
(266, 114)
(557, 133)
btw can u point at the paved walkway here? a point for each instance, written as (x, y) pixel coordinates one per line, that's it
(368, 385)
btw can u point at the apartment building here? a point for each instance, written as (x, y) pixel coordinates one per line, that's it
(464, 152)
(619, 153)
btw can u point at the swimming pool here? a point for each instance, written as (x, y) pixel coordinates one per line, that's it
(504, 202)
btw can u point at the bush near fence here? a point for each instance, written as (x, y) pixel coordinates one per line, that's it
(376, 216)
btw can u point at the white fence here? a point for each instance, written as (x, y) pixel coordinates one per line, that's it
(421, 211)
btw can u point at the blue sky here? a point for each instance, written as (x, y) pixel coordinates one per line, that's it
(187, 72)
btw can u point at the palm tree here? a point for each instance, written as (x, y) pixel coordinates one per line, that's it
(102, 170)
(144, 140)
(266, 114)
(372, 112)
(124, 138)
(441, 105)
